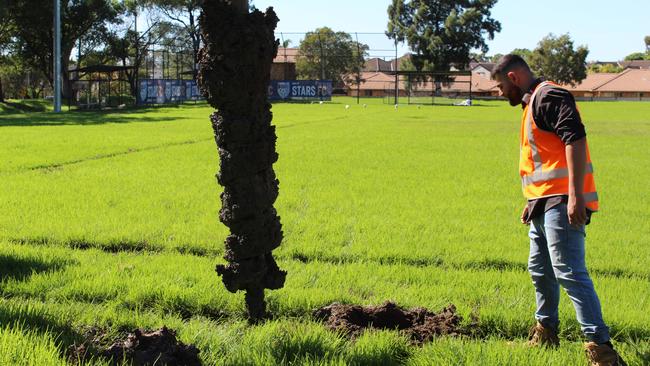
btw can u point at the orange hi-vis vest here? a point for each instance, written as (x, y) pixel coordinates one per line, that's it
(542, 161)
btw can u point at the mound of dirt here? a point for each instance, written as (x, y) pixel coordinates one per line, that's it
(140, 348)
(420, 324)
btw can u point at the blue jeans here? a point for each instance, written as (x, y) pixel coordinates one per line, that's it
(557, 257)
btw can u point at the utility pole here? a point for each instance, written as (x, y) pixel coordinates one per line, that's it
(396, 76)
(360, 59)
(136, 63)
(57, 56)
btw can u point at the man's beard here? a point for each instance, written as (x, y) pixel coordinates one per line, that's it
(515, 96)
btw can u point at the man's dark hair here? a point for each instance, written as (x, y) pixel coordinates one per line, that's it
(507, 63)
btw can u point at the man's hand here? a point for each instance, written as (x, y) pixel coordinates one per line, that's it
(524, 215)
(576, 210)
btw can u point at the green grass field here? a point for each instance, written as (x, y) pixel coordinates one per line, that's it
(110, 220)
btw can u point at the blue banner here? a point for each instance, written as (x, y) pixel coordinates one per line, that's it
(300, 90)
(162, 91)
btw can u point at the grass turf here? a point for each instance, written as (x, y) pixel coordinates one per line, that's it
(109, 219)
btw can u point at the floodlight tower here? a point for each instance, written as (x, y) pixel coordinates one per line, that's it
(57, 56)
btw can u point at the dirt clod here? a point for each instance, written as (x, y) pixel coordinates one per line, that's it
(420, 324)
(139, 348)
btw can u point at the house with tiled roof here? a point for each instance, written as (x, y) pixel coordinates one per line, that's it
(377, 64)
(631, 84)
(585, 89)
(284, 64)
(636, 64)
(483, 69)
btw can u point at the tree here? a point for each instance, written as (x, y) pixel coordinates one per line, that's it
(34, 29)
(130, 48)
(647, 44)
(325, 54)
(636, 56)
(496, 57)
(184, 12)
(604, 68)
(442, 33)
(6, 37)
(556, 59)
(479, 57)
(524, 53)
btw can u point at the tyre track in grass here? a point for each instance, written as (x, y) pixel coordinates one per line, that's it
(58, 165)
(111, 155)
(125, 246)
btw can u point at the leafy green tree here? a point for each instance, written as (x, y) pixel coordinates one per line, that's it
(442, 33)
(496, 57)
(556, 59)
(6, 31)
(636, 56)
(479, 57)
(329, 55)
(34, 30)
(608, 68)
(647, 44)
(130, 48)
(185, 13)
(525, 53)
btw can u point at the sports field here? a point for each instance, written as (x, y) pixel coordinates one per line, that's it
(109, 221)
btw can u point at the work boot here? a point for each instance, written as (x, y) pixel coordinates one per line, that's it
(603, 355)
(542, 336)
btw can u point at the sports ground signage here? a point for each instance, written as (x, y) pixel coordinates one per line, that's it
(300, 90)
(163, 91)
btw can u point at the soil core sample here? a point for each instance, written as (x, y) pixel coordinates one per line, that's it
(235, 65)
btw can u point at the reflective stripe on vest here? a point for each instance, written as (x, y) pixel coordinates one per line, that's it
(540, 176)
(550, 172)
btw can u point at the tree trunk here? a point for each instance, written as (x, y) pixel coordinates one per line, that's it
(235, 65)
(2, 93)
(66, 87)
(195, 37)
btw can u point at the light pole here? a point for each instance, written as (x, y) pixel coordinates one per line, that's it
(57, 56)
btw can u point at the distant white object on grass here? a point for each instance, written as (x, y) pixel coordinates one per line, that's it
(121, 106)
(365, 106)
(321, 102)
(347, 106)
(396, 106)
(465, 103)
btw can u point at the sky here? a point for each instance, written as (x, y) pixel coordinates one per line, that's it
(610, 29)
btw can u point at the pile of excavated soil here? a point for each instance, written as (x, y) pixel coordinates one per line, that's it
(420, 324)
(139, 348)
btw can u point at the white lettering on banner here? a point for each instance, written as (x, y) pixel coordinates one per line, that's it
(303, 91)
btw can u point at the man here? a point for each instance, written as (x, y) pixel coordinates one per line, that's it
(557, 179)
